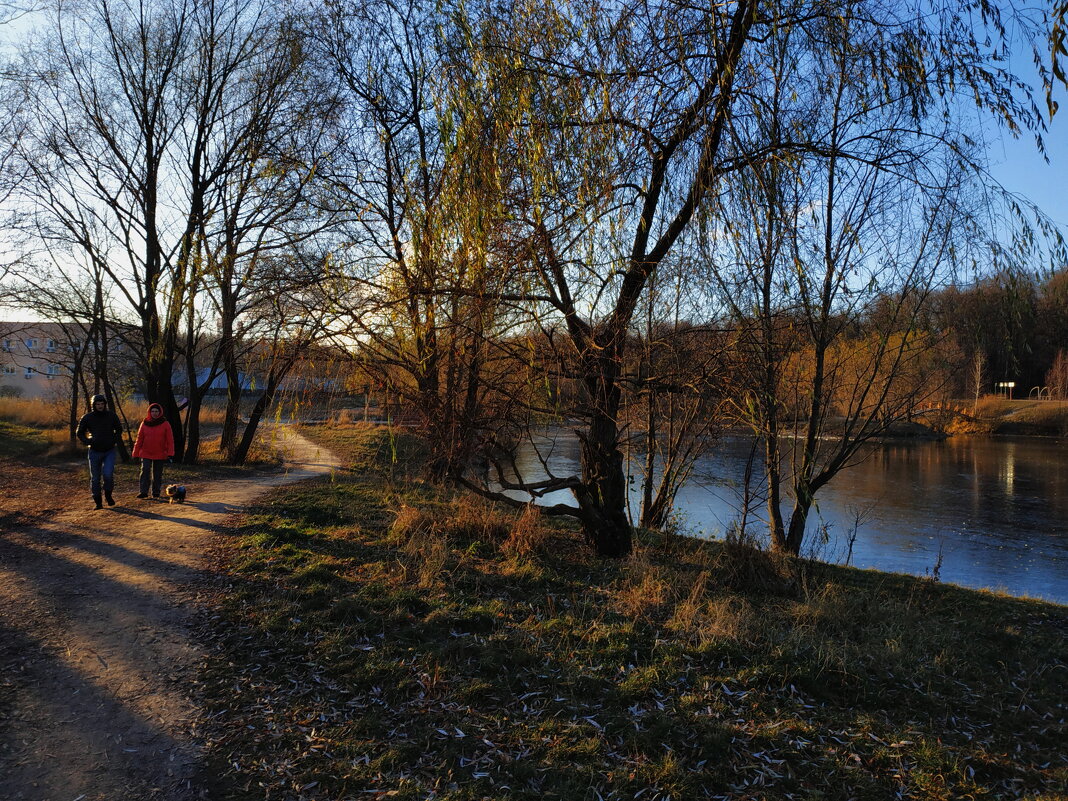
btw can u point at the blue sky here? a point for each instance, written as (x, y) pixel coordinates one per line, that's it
(1017, 165)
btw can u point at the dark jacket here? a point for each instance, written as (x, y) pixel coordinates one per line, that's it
(101, 431)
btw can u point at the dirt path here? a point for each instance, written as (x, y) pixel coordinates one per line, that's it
(96, 650)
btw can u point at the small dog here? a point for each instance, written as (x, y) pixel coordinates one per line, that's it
(175, 493)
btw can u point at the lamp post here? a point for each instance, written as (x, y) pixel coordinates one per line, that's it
(1007, 387)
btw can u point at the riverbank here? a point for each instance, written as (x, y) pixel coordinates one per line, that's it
(1002, 417)
(377, 638)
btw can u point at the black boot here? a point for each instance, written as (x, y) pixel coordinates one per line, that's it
(97, 501)
(108, 498)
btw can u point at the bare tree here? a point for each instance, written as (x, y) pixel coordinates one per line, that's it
(828, 268)
(137, 120)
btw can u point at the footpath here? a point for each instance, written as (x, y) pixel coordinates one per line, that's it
(97, 650)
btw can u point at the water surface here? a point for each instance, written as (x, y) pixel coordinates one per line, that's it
(984, 513)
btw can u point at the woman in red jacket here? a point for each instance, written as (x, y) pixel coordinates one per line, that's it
(154, 446)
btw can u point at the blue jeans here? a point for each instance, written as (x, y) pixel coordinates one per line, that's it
(101, 465)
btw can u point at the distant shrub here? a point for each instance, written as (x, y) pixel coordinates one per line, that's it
(348, 418)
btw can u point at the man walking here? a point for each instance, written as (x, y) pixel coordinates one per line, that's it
(101, 430)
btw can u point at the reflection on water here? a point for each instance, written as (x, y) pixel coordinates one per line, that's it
(993, 511)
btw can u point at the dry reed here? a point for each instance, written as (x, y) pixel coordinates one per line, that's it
(35, 412)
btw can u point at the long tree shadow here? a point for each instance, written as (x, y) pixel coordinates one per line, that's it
(51, 743)
(88, 541)
(127, 611)
(215, 508)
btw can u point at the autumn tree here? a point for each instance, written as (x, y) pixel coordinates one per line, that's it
(628, 120)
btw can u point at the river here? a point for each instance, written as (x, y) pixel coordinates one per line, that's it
(980, 512)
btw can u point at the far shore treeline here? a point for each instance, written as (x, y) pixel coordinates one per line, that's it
(650, 219)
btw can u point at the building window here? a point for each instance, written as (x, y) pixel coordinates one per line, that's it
(53, 371)
(31, 344)
(9, 345)
(51, 346)
(29, 372)
(9, 370)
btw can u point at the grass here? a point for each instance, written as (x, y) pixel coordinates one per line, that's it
(994, 414)
(37, 412)
(1040, 417)
(381, 638)
(17, 440)
(34, 428)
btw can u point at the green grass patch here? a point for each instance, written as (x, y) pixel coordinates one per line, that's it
(385, 639)
(22, 440)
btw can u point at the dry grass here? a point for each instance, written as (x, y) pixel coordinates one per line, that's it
(424, 545)
(742, 565)
(212, 415)
(693, 596)
(645, 589)
(472, 520)
(1052, 415)
(408, 524)
(60, 445)
(529, 534)
(705, 619)
(265, 451)
(43, 413)
(994, 406)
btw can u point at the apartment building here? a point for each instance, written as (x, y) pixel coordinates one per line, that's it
(35, 360)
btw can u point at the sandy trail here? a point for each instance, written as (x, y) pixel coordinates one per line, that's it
(96, 643)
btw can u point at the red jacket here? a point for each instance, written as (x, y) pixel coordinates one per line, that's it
(154, 442)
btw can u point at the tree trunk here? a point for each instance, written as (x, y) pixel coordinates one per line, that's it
(228, 441)
(773, 473)
(240, 453)
(603, 499)
(798, 520)
(192, 426)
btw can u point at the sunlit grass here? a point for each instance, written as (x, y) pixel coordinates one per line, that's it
(35, 412)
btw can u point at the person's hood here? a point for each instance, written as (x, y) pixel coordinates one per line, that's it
(92, 403)
(152, 406)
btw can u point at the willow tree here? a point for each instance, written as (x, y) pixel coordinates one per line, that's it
(623, 123)
(412, 178)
